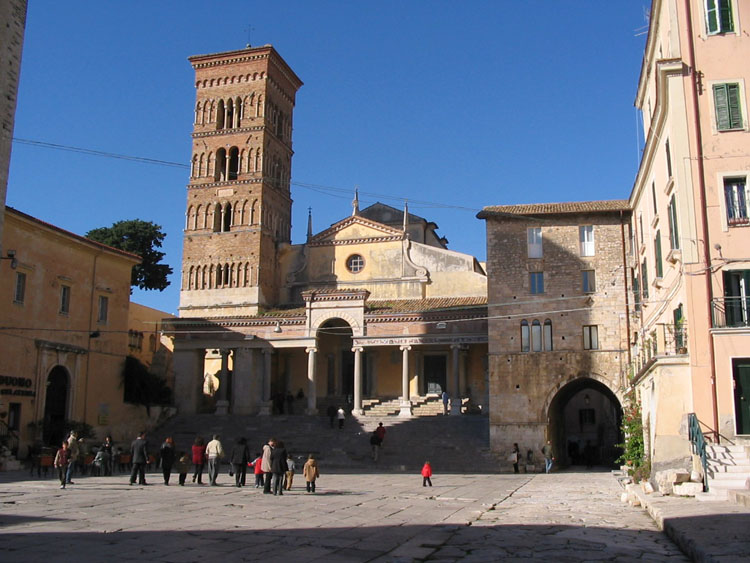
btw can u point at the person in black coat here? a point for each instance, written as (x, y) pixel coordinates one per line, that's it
(238, 458)
(139, 459)
(167, 458)
(278, 468)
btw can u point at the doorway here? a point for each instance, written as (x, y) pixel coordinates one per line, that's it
(435, 373)
(55, 406)
(741, 373)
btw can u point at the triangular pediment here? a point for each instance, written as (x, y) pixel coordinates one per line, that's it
(356, 229)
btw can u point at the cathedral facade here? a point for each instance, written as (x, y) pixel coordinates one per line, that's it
(374, 310)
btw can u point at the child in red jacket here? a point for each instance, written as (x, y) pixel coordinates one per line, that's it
(426, 474)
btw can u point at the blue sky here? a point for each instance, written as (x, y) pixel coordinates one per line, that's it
(456, 105)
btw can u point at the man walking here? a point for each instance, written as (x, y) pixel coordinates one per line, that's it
(215, 452)
(445, 398)
(549, 456)
(139, 458)
(265, 465)
(73, 452)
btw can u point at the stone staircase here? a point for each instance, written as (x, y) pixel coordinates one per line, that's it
(425, 405)
(728, 473)
(451, 443)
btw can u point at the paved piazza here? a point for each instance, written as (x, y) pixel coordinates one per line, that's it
(365, 517)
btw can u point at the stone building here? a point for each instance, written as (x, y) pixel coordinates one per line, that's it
(13, 17)
(65, 315)
(691, 220)
(374, 308)
(558, 327)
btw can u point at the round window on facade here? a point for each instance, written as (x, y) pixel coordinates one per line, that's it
(355, 263)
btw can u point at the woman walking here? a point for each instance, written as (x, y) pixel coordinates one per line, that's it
(167, 458)
(199, 459)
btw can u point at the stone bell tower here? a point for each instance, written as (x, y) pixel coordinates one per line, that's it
(238, 199)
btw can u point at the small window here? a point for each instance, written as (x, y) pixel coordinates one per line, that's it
(19, 294)
(586, 417)
(534, 239)
(719, 17)
(674, 235)
(736, 198)
(653, 198)
(590, 337)
(588, 279)
(586, 238)
(355, 263)
(536, 282)
(636, 289)
(644, 279)
(668, 154)
(65, 299)
(536, 336)
(547, 335)
(640, 228)
(727, 107)
(14, 416)
(524, 336)
(103, 309)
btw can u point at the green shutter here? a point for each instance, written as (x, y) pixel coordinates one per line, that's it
(674, 236)
(728, 110)
(657, 255)
(735, 115)
(712, 20)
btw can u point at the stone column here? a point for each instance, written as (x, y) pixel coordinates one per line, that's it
(265, 395)
(222, 403)
(405, 401)
(188, 378)
(242, 382)
(357, 380)
(456, 399)
(311, 391)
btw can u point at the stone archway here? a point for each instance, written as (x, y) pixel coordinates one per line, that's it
(56, 406)
(334, 338)
(584, 423)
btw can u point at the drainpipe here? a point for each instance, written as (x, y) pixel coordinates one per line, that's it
(703, 217)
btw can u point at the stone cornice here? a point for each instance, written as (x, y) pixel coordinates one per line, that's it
(59, 346)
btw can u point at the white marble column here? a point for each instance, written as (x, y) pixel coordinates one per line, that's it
(312, 407)
(405, 400)
(265, 394)
(222, 404)
(357, 380)
(456, 399)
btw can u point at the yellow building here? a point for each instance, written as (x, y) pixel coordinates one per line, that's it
(64, 333)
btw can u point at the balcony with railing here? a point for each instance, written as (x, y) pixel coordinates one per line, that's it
(664, 341)
(731, 312)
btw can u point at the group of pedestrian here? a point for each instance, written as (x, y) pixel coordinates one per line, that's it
(547, 453)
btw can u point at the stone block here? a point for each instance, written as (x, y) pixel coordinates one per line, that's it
(666, 479)
(647, 487)
(687, 489)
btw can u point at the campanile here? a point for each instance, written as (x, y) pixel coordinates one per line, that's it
(238, 199)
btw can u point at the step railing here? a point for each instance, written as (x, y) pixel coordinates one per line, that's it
(698, 443)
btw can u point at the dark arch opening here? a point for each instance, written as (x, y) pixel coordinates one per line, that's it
(55, 406)
(584, 424)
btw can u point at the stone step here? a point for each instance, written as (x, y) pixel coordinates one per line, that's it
(728, 468)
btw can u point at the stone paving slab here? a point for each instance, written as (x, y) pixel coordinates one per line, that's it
(354, 517)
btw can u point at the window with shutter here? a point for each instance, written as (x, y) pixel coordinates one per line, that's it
(657, 255)
(736, 199)
(719, 17)
(674, 236)
(727, 106)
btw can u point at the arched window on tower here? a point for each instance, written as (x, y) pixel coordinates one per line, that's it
(226, 224)
(524, 336)
(210, 164)
(189, 284)
(220, 168)
(234, 163)
(204, 275)
(220, 115)
(259, 106)
(238, 111)
(256, 166)
(225, 279)
(229, 123)
(217, 218)
(254, 213)
(547, 335)
(536, 336)
(200, 165)
(190, 218)
(246, 280)
(194, 167)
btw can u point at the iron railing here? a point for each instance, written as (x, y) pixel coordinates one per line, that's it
(666, 339)
(698, 443)
(731, 312)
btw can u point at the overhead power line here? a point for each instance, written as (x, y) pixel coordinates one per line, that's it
(329, 190)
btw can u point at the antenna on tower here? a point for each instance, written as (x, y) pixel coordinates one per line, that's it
(249, 29)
